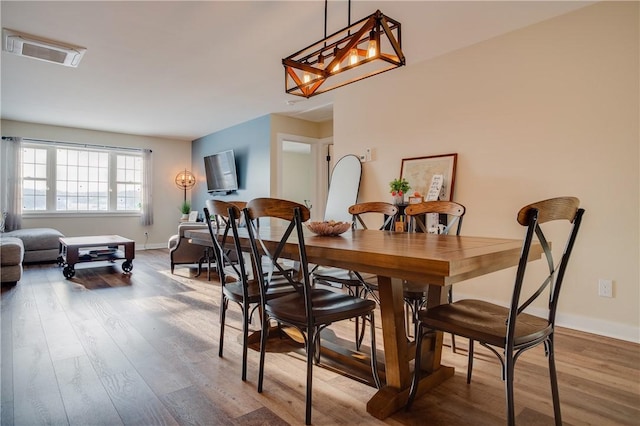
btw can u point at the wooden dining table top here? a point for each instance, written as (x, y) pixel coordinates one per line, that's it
(437, 259)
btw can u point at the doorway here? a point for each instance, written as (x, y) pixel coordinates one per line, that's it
(303, 171)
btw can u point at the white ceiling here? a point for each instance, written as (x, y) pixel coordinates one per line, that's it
(187, 69)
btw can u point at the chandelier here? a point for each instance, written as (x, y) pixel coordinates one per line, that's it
(363, 49)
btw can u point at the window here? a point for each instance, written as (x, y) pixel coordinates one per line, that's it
(59, 178)
(129, 182)
(34, 182)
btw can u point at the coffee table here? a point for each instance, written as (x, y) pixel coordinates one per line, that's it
(94, 249)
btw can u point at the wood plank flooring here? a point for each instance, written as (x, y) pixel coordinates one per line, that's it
(107, 348)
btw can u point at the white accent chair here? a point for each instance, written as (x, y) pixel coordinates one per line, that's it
(182, 252)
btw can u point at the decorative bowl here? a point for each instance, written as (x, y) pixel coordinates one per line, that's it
(330, 228)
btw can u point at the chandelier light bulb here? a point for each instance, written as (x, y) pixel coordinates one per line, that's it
(306, 78)
(336, 67)
(372, 49)
(353, 56)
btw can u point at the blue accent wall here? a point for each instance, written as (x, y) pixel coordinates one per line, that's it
(251, 143)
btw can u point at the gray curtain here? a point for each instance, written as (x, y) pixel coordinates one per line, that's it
(147, 188)
(11, 181)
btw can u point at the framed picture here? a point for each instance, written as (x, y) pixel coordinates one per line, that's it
(419, 172)
(193, 216)
(415, 200)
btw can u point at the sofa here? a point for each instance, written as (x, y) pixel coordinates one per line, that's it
(40, 244)
(11, 256)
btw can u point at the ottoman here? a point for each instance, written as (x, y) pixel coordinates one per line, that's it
(11, 255)
(40, 244)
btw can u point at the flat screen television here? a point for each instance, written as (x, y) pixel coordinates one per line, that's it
(221, 173)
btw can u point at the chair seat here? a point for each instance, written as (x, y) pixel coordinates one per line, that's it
(277, 287)
(485, 322)
(328, 306)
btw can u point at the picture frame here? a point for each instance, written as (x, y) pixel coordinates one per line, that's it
(415, 200)
(193, 216)
(419, 171)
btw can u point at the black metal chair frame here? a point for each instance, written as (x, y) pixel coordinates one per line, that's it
(531, 216)
(416, 301)
(232, 290)
(221, 254)
(354, 282)
(310, 327)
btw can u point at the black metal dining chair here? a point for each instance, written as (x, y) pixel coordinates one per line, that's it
(510, 328)
(356, 283)
(237, 281)
(309, 310)
(417, 214)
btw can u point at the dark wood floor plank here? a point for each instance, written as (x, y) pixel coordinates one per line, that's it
(106, 357)
(190, 406)
(61, 340)
(160, 375)
(37, 399)
(135, 401)
(85, 399)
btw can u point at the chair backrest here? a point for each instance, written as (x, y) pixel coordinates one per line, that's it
(292, 215)
(533, 216)
(226, 216)
(357, 212)
(453, 210)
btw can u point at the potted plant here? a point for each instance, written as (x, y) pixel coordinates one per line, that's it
(398, 188)
(185, 209)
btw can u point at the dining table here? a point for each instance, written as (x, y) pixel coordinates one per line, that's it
(436, 260)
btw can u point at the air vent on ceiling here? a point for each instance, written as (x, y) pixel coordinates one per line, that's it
(39, 48)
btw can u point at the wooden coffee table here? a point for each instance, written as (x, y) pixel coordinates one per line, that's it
(94, 249)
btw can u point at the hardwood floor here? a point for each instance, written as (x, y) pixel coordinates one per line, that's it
(107, 348)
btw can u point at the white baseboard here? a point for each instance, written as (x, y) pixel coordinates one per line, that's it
(597, 326)
(151, 246)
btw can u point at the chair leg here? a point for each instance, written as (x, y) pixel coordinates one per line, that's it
(453, 337)
(245, 339)
(508, 383)
(360, 336)
(263, 348)
(416, 322)
(554, 381)
(311, 348)
(357, 321)
(470, 361)
(223, 310)
(374, 352)
(416, 370)
(359, 292)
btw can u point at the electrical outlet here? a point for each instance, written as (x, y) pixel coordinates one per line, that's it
(605, 288)
(368, 154)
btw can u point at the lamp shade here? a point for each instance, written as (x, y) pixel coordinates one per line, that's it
(185, 180)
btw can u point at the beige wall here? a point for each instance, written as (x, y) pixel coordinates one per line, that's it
(169, 157)
(545, 111)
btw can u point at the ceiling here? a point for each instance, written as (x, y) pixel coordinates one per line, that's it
(183, 70)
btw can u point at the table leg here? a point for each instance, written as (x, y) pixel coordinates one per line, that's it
(398, 353)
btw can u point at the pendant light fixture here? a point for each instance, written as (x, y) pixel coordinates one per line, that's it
(366, 48)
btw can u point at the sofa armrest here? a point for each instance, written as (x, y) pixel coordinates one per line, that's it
(188, 226)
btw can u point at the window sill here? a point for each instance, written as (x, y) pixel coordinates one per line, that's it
(43, 215)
